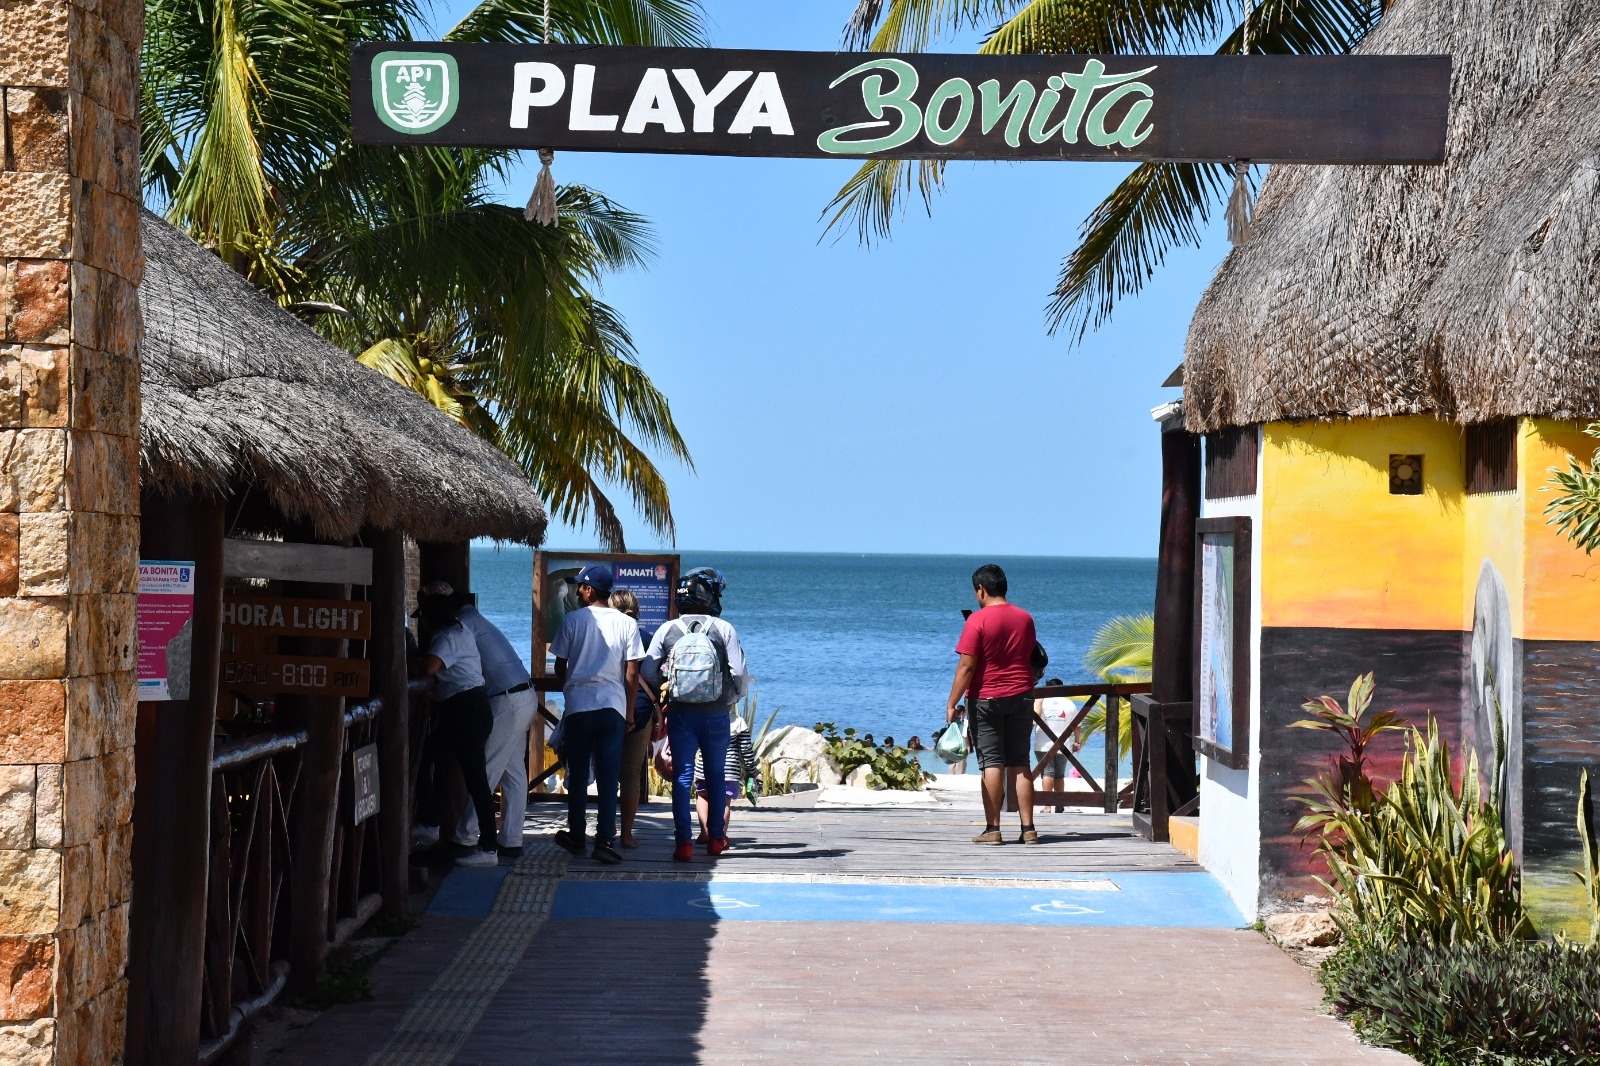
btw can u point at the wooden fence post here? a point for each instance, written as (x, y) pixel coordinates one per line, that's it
(394, 720)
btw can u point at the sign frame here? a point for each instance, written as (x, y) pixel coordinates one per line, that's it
(1354, 109)
(1222, 658)
(166, 611)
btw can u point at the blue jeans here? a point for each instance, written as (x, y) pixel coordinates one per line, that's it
(593, 735)
(691, 728)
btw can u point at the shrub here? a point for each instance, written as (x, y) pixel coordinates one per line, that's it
(891, 768)
(1471, 1004)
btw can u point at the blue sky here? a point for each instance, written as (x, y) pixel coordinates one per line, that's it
(903, 398)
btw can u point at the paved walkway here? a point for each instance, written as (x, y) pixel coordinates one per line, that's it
(813, 941)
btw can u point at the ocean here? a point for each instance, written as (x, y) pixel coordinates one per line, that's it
(866, 640)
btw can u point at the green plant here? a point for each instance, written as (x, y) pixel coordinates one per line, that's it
(748, 710)
(1575, 508)
(1348, 787)
(890, 768)
(1424, 861)
(1121, 652)
(1471, 1004)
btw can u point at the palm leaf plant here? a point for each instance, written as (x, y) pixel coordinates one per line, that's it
(490, 317)
(1121, 653)
(1157, 206)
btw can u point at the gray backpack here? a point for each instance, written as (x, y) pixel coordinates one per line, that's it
(694, 667)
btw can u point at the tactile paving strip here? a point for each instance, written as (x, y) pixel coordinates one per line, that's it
(441, 1019)
(705, 877)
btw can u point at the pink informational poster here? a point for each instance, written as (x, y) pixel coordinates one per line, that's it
(166, 616)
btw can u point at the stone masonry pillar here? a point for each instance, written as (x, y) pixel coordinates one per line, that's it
(69, 499)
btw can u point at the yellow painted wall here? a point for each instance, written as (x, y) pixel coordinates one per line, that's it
(1493, 530)
(1561, 583)
(1338, 550)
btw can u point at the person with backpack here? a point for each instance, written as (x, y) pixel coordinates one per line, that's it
(597, 654)
(697, 665)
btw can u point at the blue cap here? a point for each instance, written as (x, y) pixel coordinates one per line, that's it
(598, 577)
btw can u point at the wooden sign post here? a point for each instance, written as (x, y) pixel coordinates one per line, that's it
(704, 101)
(254, 669)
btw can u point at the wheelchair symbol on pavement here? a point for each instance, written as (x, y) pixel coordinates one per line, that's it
(1061, 907)
(720, 903)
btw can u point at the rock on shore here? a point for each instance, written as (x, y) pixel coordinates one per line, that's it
(806, 753)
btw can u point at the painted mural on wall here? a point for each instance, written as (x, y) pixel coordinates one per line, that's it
(1492, 723)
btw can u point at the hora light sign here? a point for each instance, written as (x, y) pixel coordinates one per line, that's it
(1266, 109)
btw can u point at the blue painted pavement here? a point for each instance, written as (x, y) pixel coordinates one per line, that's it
(1153, 900)
(468, 892)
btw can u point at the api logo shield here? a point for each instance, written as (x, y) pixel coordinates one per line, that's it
(415, 92)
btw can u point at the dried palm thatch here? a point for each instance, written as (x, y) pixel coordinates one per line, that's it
(1469, 290)
(238, 394)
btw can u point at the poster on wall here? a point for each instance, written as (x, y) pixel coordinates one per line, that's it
(165, 620)
(1222, 640)
(651, 578)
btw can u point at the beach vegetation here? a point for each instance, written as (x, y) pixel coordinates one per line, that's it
(889, 767)
(1574, 507)
(401, 255)
(1158, 206)
(1121, 652)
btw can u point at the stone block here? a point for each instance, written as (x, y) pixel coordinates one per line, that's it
(107, 232)
(36, 128)
(34, 31)
(40, 304)
(9, 532)
(83, 970)
(16, 811)
(106, 392)
(105, 310)
(101, 712)
(91, 1035)
(32, 720)
(10, 388)
(35, 218)
(78, 874)
(44, 382)
(96, 797)
(30, 893)
(1302, 929)
(42, 553)
(119, 864)
(47, 806)
(104, 553)
(102, 635)
(106, 66)
(29, 1043)
(33, 469)
(103, 474)
(27, 969)
(33, 639)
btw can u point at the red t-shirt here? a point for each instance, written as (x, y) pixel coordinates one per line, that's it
(1001, 638)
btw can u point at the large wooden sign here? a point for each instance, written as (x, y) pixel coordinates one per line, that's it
(301, 675)
(1268, 109)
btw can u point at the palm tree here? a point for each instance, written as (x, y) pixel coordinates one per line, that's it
(1574, 509)
(1157, 206)
(1121, 653)
(489, 316)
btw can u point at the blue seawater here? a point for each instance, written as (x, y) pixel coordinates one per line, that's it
(866, 640)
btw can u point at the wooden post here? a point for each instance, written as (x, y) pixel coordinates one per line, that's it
(1113, 751)
(172, 804)
(448, 562)
(394, 721)
(319, 805)
(1172, 679)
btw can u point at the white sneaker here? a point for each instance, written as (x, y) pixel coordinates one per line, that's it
(478, 859)
(424, 836)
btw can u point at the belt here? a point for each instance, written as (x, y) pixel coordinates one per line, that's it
(513, 690)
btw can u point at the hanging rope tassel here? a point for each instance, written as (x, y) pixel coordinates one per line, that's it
(542, 207)
(1239, 205)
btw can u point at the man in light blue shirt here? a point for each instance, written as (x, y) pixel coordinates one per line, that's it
(513, 703)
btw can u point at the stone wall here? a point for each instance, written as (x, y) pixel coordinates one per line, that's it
(69, 384)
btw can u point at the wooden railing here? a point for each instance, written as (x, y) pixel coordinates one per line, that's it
(1103, 793)
(255, 797)
(1164, 765)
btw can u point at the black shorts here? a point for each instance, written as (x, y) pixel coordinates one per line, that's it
(1002, 731)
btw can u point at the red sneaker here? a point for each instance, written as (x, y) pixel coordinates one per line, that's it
(683, 853)
(717, 847)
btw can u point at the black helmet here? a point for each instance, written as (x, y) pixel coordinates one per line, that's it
(700, 591)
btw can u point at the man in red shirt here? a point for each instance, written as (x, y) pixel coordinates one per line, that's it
(996, 669)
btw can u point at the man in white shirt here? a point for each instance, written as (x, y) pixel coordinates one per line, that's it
(462, 710)
(597, 666)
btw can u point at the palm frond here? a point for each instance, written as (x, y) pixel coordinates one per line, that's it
(1122, 650)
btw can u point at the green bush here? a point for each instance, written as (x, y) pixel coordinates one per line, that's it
(1479, 1004)
(891, 768)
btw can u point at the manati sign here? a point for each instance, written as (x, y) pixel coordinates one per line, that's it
(1269, 109)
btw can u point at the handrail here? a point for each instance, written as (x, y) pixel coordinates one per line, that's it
(1047, 691)
(236, 751)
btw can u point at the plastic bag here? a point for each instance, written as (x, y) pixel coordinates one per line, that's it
(952, 743)
(558, 736)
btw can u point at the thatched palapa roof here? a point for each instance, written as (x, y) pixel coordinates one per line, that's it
(1471, 289)
(239, 393)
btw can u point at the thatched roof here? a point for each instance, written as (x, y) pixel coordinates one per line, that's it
(1470, 289)
(239, 393)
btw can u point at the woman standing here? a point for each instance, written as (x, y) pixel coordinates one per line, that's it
(636, 744)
